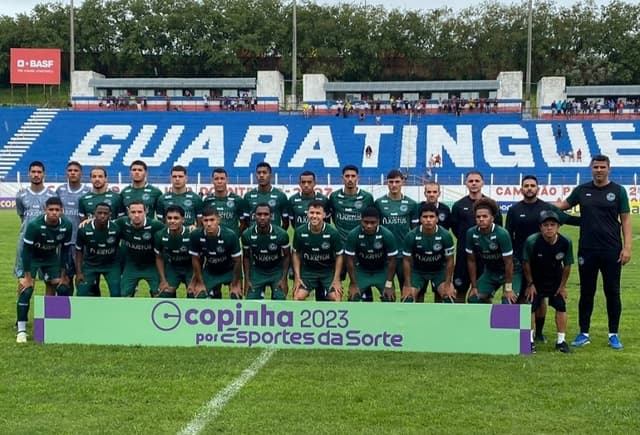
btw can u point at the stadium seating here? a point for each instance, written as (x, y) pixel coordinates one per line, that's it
(502, 146)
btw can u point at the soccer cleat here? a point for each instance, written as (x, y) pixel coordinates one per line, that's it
(581, 340)
(614, 342)
(21, 337)
(541, 338)
(533, 347)
(563, 347)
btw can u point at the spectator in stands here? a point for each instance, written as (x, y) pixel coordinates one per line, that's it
(205, 101)
(579, 155)
(437, 160)
(368, 151)
(558, 131)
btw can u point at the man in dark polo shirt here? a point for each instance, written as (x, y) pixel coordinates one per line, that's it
(604, 212)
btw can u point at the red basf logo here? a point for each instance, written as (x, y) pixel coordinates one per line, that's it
(39, 66)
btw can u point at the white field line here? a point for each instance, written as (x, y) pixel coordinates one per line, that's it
(212, 408)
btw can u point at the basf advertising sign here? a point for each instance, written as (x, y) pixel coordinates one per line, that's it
(35, 66)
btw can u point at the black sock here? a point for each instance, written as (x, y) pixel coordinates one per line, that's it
(539, 325)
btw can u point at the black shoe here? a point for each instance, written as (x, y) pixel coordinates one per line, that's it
(540, 338)
(563, 347)
(533, 347)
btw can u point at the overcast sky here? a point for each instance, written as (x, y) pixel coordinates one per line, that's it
(13, 7)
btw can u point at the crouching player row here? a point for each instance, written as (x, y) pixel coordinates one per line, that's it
(136, 248)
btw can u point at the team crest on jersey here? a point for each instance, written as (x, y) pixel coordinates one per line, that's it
(437, 247)
(611, 196)
(188, 203)
(220, 249)
(325, 245)
(231, 203)
(145, 196)
(559, 255)
(183, 249)
(273, 246)
(111, 240)
(493, 246)
(146, 236)
(441, 217)
(272, 202)
(377, 245)
(60, 237)
(404, 207)
(107, 201)
(358, 204)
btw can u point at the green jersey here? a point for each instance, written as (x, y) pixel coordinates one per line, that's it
(190, 202)
(217, 250)
(398, 215)
(88, 202)
(99, 246)
(138, 242)
(346, 209)
(231, 208)
(490, 248)
(371, 251)
(265, 250)
(299, 205)
(317, 251)
(428, 252)
(174, 248)
(148, 195)
(275, 198)
(42, 240)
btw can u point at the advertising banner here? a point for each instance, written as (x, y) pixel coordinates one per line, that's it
(460, 328)
(36, 66)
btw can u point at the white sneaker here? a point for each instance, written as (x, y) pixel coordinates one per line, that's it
(21, 337)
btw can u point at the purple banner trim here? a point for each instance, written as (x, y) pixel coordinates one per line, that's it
(38, 330)
(57, 307)
(505, 316)
(525, 342)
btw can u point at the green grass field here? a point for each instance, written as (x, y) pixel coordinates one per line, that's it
(70, 389)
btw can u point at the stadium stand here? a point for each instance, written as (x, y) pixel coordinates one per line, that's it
(502, 146)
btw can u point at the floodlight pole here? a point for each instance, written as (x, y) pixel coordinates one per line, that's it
(294, 55)
(528, 78)
(72, 50)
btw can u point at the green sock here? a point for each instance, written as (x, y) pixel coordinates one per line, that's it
(24, 300)
(64, 290)
(254, 294)
(278, 295)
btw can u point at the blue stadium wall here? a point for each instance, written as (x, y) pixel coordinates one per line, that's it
(502, 146)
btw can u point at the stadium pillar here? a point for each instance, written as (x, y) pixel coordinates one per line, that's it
(294, 56)
(529, 38)
(72, 50)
